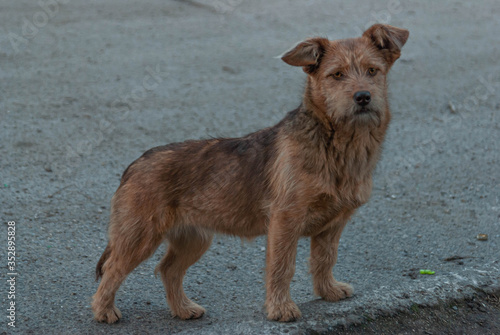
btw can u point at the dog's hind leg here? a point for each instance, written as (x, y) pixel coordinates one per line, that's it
(130, 244)
(186, 246)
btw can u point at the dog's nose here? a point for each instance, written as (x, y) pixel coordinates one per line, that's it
(362, 98)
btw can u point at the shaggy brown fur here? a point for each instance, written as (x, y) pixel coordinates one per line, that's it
(303, 177)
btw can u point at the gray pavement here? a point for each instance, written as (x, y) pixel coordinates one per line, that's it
(88, 87)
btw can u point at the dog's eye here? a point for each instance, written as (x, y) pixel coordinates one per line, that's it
(338, 75)
(372, 71)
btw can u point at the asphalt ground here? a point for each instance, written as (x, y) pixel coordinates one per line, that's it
(77, 105)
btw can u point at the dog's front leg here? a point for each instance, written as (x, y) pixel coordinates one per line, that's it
(282, 240)
(324, 247)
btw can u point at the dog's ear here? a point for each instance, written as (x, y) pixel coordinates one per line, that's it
(388, 39)
(307, 53)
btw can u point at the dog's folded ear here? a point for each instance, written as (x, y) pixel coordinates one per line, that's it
(388, 39)
(307, 53)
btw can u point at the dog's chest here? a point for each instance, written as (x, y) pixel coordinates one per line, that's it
(340, 193)
(338, 205)
(323, 211)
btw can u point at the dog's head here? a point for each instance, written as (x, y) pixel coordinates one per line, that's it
(347, 78)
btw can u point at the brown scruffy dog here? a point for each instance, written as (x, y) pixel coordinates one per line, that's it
(304, 176)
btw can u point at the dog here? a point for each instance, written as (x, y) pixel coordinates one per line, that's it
(305, 176)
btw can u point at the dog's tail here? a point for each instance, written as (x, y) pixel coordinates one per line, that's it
(105, 255)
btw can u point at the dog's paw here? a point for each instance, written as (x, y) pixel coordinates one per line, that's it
(190, 311)
(283, 312)
(336, 291)
(110, 315)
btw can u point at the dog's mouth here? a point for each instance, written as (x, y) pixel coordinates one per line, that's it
(362, 115)
(367, 116)
(364, 110)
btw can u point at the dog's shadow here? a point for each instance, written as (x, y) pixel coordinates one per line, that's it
(158, 317)
(312, 308)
